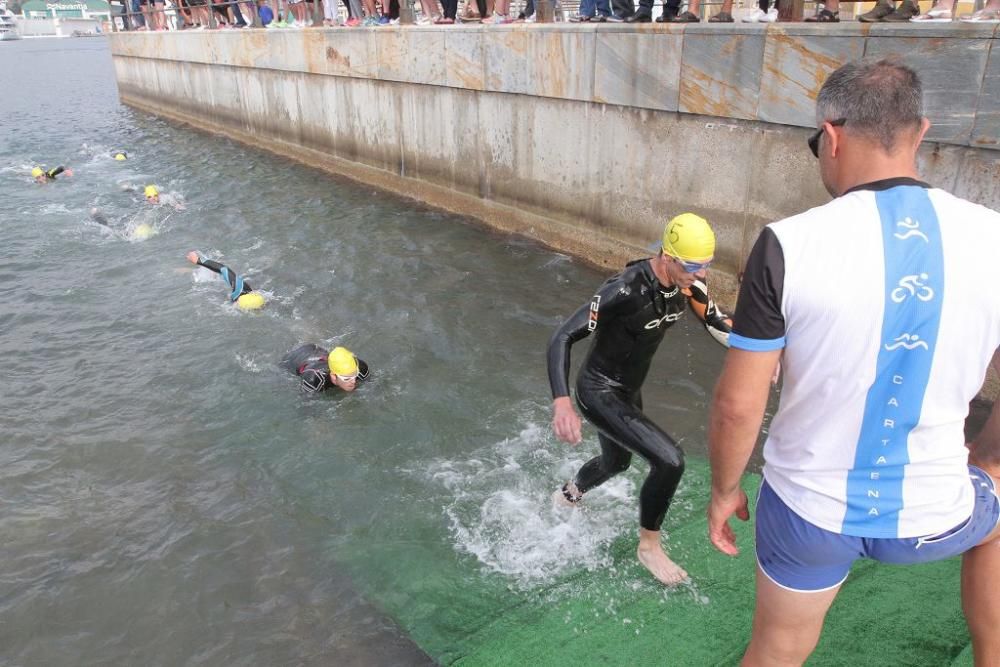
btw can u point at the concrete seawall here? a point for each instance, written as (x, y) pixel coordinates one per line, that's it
(585, 138)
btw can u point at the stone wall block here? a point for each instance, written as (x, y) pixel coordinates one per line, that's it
(986, 131)
(507, 64)
(562, 64)
(411, 55)
(794, 69)
(638, 70)
(721, 71)
(952, 73)
(464, 58)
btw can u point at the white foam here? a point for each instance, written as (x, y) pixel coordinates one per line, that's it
(501, 510)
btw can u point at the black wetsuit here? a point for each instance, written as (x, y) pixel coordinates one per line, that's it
(309, 362)
(237, 286)
(628, 316)
(51, 174)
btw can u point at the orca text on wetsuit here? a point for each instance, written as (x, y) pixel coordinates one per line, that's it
(629, 315)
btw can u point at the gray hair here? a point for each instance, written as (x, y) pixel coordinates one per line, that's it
(877, 98)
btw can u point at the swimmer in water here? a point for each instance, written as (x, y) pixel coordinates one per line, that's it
(119, 156)
(629, 316)
(42, 176)
(320, 370)
(153, 196)
(240, 292)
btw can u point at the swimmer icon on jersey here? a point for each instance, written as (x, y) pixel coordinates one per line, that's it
(240, 291)
(321, 370)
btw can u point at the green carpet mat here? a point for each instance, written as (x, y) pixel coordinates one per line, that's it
(617, 615)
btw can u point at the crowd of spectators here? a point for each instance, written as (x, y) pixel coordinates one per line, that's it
(195, 14)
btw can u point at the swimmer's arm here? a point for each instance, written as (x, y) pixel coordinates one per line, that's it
(716, 322)
(52, 173)
(736, 416)
(585, 320)
(986, 446)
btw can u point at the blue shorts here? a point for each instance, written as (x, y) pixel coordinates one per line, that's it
(800, 556)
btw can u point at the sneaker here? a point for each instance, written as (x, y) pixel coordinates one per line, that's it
(600, 18)
(756, 16)
(878, 13)
(721, 17)
(904, 12)
(771, 16)
(641, 16)
(934, 15)
(383, 20)
(614, 18)
(666, 16)
(824, 16)
(578, 18)
(353, 22)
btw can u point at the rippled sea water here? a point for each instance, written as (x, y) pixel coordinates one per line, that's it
(169, 496)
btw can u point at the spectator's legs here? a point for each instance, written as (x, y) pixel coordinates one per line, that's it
(623, 8)
(786, 624)
(159, 18)
(604, 7)
(329, 12)
(238, 15)
(449, 8)
(355, 9)
(587, 7)
(431, 9)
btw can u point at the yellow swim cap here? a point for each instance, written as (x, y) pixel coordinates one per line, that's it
(143, 232)
(120, 156)
(151, 191)
(342, 362)
(250, 301)
(688, 237)
(36, 172)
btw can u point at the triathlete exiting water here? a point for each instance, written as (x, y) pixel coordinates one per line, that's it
(240, 291)
(42, 176)
(320, 370)
(629, 316)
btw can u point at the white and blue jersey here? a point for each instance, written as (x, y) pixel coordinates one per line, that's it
(876, 300)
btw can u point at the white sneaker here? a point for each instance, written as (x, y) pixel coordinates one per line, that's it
(771, 16)
(756, 16)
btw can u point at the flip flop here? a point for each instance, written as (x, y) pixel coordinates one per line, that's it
(982, 16)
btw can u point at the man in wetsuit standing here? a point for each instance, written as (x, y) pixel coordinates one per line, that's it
(629, 316)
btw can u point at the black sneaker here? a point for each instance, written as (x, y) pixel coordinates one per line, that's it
(641, 16)
(906, 11)
(599, 18)
(666, 17)
(824, 16)
(686, 17)
(878, 13)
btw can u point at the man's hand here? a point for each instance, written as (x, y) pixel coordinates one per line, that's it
(565, 421)
(193, 257)
(720, 508)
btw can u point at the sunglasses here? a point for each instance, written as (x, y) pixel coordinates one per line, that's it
(692, 267)
(814, 139)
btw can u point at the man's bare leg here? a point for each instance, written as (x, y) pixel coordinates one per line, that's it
(654, 558)
(786, 624)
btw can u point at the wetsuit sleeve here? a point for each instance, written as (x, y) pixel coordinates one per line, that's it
(581, 324)
(716, 322)
(362, 369)
(759, 323)
(314, 380)
(52, 173)
(237, 286)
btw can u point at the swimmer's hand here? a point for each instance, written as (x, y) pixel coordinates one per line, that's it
(720, 508)
(565, 421)
(67, 172)
(193, 256)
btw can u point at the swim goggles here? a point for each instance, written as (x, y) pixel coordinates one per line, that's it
(692, 267)
(347, 378)
(814, 139)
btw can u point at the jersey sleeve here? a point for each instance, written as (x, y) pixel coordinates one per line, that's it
(759, 323)
(581, 324)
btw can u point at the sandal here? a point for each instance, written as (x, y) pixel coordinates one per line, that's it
(824, 16)
(982, 16)
(686, 17)
(934, 15)
(721, 17)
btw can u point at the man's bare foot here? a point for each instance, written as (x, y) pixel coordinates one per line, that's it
(654, 558)
(560, 499)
